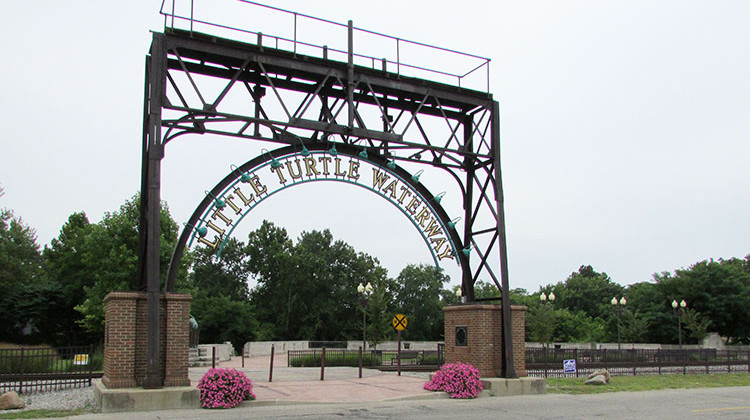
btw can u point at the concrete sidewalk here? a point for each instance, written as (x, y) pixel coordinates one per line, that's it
(341, 384)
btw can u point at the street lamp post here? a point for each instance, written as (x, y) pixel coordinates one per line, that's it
(544, 299)
(547, 298)
(617, 306)
(679, 311)
(364, 293)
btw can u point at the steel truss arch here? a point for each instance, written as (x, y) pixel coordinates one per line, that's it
(234, 177)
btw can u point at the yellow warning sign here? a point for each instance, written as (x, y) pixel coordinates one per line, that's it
(399, 322)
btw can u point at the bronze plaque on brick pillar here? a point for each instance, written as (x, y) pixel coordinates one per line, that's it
(462, 336)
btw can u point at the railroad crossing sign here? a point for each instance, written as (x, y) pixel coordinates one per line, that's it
(399, 322)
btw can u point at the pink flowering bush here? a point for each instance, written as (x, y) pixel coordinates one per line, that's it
(224, 388)
(459, 380)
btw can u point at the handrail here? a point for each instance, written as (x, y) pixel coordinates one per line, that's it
(172, 18)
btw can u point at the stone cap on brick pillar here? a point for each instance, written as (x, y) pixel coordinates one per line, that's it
(483, 306)
(122, 296)
(179, 297)
(142, 295)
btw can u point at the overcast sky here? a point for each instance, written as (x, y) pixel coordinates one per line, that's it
(625, 127)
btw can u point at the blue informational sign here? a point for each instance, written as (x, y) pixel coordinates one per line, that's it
(569, 366)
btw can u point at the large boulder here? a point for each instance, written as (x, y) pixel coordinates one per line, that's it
(599, 377)
(11, 401)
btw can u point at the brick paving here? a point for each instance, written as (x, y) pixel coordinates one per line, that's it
(341, 384)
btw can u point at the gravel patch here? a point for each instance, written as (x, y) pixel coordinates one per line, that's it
(67, 399)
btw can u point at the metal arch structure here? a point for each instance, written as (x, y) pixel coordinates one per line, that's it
(296, 99)
(443, 222)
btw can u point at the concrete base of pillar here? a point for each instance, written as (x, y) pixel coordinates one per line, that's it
(139, 399)
(502, 387)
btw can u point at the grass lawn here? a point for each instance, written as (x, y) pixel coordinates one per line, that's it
(646, 383)
(39, 414)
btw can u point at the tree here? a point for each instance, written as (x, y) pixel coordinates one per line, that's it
(588, 291)
(21, 279)
(379, 328)
(221, 298)
(67, 268)
(111, 253)
(719, 290)
(418, 296)
(222, 276)
(307, 290)
(540, 323)
(696, 323)
(634, 326)
(221, 318)
(651, 303)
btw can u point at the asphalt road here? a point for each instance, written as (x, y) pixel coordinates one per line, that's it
(705, 403)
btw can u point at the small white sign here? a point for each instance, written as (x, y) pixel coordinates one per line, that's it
(569, 366)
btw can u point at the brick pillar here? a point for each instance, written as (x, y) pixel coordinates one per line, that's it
(126, 335)
(177, 340)
(518, 325)
(119, 340)
(484, 328)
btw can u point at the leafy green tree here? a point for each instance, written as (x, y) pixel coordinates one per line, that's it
(68, 269)
(111, 250)
(271, 263)
(651, 303)
(540, 323)
(719, 290)
(588, 291)
(222, 276)
(696, 323)
(307, 290)
(221, 318)
(418, 296)
(221, 299)
(379, 328)
(577, 327)
(21, 278)
(633, 326)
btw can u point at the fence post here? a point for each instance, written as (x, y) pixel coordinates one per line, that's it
(545, 360)
(360, 362)
(684, 362)
(213, 357)
(635, 361)
(20, 383)
(706, 353)
(270, 370)
(91, 362)
(729, 362)
(748, 362)
(322, 363)
(658, 359)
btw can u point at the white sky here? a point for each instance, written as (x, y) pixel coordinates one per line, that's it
(625, 128)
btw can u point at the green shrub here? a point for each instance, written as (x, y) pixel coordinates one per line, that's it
(335, 359)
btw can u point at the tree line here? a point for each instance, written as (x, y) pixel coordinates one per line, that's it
(271, 287)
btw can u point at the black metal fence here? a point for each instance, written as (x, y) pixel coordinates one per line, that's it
(550, 362)
(36, 369)
(370, 358)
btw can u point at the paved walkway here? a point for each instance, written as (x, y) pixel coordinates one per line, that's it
(341, 384)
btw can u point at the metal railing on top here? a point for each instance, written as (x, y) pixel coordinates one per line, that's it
(182, 14)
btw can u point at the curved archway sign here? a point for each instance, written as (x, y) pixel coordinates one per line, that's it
(245, 187)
